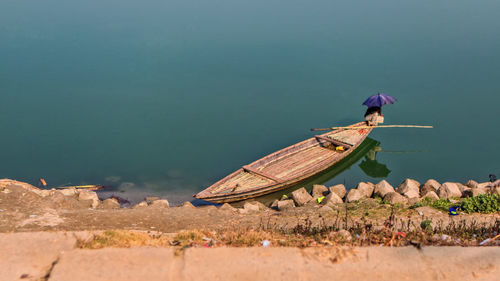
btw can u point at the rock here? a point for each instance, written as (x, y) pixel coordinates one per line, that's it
(110, 203)
(187, 204)
(274, 205)
(142, 204)
(354, 195)
(474, 192)
(484, 185)
(344, 235)
(338, 189)
(319, 190)
(6, 191)
(431, 195)
(430, 185)
(91, 196)
(471, 184)
(449, 190)
(251, 207)
(68, 192)
(366, 189)
(261, 206)
(325, 209)
(382, 188)
(332, 198)
(285, 204)
(208, 207)
(301, 197)
(227, 206)
(413, 200)
(395, 198)
(159, 204)
(61, 201)
(462, 187)
(409, 188)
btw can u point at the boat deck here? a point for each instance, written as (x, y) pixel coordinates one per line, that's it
(293, 165)
(290, 164)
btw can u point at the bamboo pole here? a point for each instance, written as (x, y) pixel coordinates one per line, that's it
(369, 127)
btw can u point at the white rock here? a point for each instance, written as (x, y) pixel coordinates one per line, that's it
(319, 190)
(162, 203)
(471, 184)
(382, 188)
(409, 188)
(332, 198)
(431, 195)
(142, 204)
(338, 189)
(301, 197)
(250, 207)
(395, 198)
(354, 195)
(449, 190)
(285, 204)
(68, 191)
(366, 189)
(85, 195)
(227, 206)
(430, 185)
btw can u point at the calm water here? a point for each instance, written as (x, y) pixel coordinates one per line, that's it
(170, 96)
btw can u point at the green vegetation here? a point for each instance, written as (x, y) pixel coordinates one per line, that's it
(484, 203)
(441, 204)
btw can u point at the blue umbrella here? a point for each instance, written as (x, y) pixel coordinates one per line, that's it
(378, 100)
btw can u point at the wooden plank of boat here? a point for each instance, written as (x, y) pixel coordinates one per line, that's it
(335, 142)
(286, 167)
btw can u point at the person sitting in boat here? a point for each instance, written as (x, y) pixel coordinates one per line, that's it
(373, 116)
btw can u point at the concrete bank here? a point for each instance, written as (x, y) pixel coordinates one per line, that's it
(56, 256)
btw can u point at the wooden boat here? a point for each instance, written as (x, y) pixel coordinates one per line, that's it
(287, 167)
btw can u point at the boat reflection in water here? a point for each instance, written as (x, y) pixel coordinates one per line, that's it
(369, 166)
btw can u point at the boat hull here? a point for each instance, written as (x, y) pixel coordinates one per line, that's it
(287, 167)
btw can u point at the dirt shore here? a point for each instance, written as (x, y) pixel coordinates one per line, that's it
(57, 236)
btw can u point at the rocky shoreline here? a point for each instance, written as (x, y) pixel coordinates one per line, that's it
(408, 193)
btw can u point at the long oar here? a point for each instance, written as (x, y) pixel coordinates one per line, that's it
(369, 127)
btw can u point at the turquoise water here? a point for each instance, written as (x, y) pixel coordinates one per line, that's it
(170, 96)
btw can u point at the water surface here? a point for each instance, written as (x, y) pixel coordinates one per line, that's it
(170, 96)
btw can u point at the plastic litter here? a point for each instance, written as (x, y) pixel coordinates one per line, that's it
(453, 211)
(339, 148)
(485, 241)
(320, 199)
(445, 237)
(1, 210)
(266, 243)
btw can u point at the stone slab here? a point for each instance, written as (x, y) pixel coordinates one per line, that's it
(30, 255)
